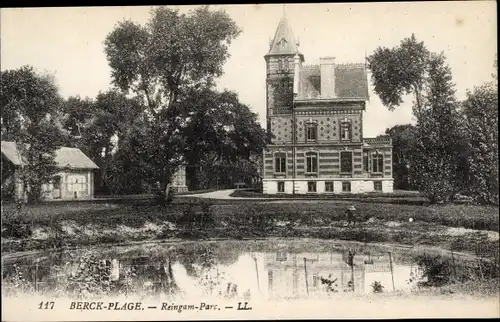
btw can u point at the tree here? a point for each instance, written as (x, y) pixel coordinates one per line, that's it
(411, 69)
(221, 134)
(100, 128)
(481, 122)
(30, 108)
(160, 62)
(403, 146)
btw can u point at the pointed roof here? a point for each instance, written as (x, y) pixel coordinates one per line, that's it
(284, 42)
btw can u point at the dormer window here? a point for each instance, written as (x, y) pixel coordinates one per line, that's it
(282, 42)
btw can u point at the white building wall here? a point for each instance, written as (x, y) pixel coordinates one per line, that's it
(269, 187)
(337, 186)
(301, 187)
(288, 187)
(368, 186)
(388, 186)
(320, 186)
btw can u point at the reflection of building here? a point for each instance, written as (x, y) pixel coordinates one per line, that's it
(75, 179)
(315, 115)
(289, 275)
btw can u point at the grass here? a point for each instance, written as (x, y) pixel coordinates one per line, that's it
(194, 219)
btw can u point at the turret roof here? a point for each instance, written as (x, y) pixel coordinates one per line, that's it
(284, 42)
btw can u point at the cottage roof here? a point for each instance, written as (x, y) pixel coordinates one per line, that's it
(65, 157)
(351, 81)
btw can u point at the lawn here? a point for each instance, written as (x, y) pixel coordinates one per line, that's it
(459, 227)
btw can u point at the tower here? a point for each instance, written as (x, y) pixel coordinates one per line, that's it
(280, 72)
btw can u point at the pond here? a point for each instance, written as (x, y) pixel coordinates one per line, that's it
(262, 269)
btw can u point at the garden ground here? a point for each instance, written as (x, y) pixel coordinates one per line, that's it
(464, 229)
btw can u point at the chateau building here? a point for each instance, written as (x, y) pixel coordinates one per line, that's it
(315, 116)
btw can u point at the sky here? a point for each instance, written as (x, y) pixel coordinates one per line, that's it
(68, 43)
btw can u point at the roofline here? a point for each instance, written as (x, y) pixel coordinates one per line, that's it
(328, 100)
(285, 54)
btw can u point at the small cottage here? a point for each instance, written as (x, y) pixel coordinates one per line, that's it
(74, 181)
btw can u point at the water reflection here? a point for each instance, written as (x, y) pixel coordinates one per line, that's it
(212, 271)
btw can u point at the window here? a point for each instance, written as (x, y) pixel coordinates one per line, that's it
(329, 186)
(345, 131)
(281, 186)
(311, 186)
(57, 182)
(365, 161)
(286, 65)
(312, 131)
(280, 163)
(346, 162)
(312, 162)
(377, 185)
(280, 65)
(346, 187)
(377, 163)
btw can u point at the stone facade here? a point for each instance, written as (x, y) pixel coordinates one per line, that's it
(315, 117)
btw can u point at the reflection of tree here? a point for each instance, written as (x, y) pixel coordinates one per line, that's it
(206, 257)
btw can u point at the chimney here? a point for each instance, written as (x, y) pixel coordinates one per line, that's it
(296, 76)
(327, 65)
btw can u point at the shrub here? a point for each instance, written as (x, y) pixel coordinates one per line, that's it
(15, 223)
(377, 287)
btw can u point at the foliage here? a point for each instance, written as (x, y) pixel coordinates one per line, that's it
(377, 287)
(223, 137)
(437, 270)
(411, 69)
(30, 105)
(403, 146)
(160, 62)
(92, 277)
(14, 222)
(481, 113)
(331, 284)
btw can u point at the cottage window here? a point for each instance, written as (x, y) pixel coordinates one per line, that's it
(312, 132)
(345, 131)
(312, 162)
(280, 163)
(377, 163)
(281, 186)
(346, 162)
(311, 186)
(329, 186)
(57, 182)
(346, 187)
